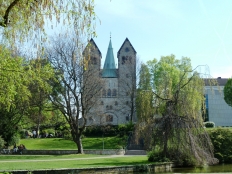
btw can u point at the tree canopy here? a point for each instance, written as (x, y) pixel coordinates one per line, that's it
(228, 92)
(16, 76)
(20, 18)
(174, 115)
(77, 83)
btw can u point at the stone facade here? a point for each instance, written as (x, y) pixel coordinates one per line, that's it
(116, 102)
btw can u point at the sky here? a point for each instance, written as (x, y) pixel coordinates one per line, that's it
(198, 29)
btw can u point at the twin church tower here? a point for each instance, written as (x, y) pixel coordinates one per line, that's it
(116, 102)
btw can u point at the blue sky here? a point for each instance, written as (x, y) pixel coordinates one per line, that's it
(198, 29)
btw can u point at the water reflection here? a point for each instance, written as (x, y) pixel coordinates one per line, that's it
(223, 168)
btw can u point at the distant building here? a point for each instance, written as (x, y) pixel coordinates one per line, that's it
(219, 111)
(116, 103)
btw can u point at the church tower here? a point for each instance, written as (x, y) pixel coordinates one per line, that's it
(116, 103)
(127, 78)
(92, 57)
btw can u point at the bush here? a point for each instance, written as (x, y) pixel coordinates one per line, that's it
(222, 140)
(14, 139)
(2, 142)
(209, 124)
(67, 134)
(156, 156)
(125, 129)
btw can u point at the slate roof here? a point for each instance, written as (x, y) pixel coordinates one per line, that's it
(109, 69)
(219, 80)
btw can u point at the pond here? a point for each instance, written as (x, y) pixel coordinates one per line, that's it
(223, 168)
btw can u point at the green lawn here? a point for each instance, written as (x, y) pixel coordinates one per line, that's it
(25, 162)
(32, 162)
(59, 143)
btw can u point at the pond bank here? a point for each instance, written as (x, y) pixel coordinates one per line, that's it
(153, 168)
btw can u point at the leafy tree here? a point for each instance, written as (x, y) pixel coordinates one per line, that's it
(144, 94)
(77, 85)
(20, 18)
(228, 92)
(16, 75)
(176, 126)
(222, 139)
(39, 102)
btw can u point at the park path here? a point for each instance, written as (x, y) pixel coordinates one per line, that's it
(66, 159)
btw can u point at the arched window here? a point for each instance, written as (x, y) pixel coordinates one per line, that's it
(111, 107)
(123, 59)
(109, 93)
(94, 60)
(109, 118)
(114, 92)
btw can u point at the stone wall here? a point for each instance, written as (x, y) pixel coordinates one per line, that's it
(143, 168)
(63, 152)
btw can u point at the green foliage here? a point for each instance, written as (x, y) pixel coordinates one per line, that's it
(125, 129)
(222, 140)
(15, 96)
(26, 18)
(171, 111)
(157, 156)
(209, 124)
(2, 142)
(110, 130)
(228, 92)
(14, 139)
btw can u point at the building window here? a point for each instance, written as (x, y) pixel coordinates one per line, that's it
(107, 107)
(102, 103)
(124, 59)
(94, 60)
(111, 107)
(109, 118)
(114, 92)
(109, 93)
(130, 59)
(116, 103)
(127, 118)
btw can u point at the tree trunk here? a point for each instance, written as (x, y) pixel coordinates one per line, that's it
(79, 145)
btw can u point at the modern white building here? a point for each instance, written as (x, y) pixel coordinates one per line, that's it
(219, 111)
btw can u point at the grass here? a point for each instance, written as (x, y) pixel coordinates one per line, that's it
(25, 162)
(59, 143)
(33, 162)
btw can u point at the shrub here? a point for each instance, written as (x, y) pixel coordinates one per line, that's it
(67, 134)
(156, 156)
(14, 139)
(2, 142)
(222, 140)
(209, 124)
(125, 129)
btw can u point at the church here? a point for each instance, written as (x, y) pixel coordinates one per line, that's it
(116, 102)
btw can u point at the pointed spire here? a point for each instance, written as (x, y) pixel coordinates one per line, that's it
(109, 69)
